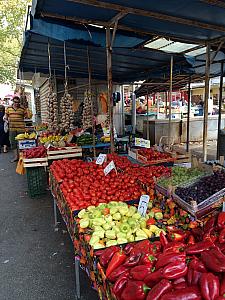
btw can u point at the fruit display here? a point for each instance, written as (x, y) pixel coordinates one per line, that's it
(181, 175)
(66, 110)
(36, 152)
(152, 155)
(54, 140)
(84, 184)
(53, 113)
(26, 136)
(85, 139)
(191, 267)
(115, 223)
(41, 127)
(203, 188)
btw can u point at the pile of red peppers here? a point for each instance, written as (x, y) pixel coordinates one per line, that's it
(182, 266)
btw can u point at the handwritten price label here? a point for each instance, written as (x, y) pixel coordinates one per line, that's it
(143, 205)
(142, 143)
(109, 168)
(101, 158)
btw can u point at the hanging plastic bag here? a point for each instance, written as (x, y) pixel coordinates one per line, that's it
(6, 126)
(20, 167)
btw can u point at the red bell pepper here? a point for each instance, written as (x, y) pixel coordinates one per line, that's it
(128, 248)
(222, 236)
(113, 276)
(191, 240)
(179, 280)
(221, 220)
(220, 298)
(140, 272)
(164, 286)
(155, 247)
(154, 277)
(197, 265)
(211, 236)
(134, 290)
(147, 259)
(175, 270)
(199, 247)
(193, 277)
(150, 221)
(212, 262)
(178, 236)
(174, 247)
(117, 260)
(190, 293)
(132, 260)
(99, 252)
(165, 259)
(222, 286)
(210, 286)
(120, 285)
(163, 239)
(180, 286)
(107, 254)
(141, 247)
(210, 224)
(197, 233)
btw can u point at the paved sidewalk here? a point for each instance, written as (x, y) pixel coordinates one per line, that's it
(36, 263)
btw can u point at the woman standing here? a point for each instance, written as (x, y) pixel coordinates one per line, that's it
(4, 136)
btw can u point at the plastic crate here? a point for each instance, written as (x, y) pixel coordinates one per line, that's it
(36, 181)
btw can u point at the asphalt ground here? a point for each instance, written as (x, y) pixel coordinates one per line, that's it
(36, 262)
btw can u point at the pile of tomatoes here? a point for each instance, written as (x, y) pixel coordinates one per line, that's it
(85, 184)
(37, 152)
(153, 155)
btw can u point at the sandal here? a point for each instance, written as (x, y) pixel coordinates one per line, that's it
(14, 160)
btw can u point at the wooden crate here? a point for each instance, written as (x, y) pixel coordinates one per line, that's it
(35, 162)
(67, 152)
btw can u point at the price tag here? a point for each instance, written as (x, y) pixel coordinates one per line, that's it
(109, 168)
(142, 143)
(101, 158)
(143, 205)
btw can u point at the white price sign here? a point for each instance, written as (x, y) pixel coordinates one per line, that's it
(143, 205)
(142, 143)
(109, 168)
(101, 158)
(223, 209)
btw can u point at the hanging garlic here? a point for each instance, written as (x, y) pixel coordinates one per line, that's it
(66, 111)
(52, 107)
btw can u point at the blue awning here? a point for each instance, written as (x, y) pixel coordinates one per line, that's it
(193, 20)
(128, 64)
(92, 35)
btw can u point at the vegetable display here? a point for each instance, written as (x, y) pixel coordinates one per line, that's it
(36, 152)
(203, 188)
(84, 184)
(116, 223)
(153, 155)
(180, 175)
(175, 270)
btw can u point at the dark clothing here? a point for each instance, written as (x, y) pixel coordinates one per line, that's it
(4, 137)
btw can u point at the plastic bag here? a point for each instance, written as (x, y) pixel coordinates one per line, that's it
(6, 126)
(20, 168)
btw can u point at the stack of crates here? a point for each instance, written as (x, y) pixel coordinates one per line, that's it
(37, 181)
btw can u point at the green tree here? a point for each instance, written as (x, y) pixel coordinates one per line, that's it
(12, 25)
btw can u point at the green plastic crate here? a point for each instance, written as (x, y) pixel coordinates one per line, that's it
(36, 181)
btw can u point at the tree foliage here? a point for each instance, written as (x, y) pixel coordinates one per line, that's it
(12, 25)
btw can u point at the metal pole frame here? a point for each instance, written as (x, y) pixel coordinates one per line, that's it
(147, 116)
(134, 117)
(206, 102)
(170, 98)
(220, 108)
(123, 116)
(188, 115)
(90, 99)
(109, 84)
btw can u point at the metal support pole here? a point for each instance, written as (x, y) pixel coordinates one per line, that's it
(123, 116)
(206, 102)
(109, 83)
(157, 116)
(166, 98)
(77, 277)
(147, 115)
(170, 98)
(133, 111)
(55, 213)
(90, 99)
(188, 115)
(220, 108)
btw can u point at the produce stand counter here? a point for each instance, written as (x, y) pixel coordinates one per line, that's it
(87, 256)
